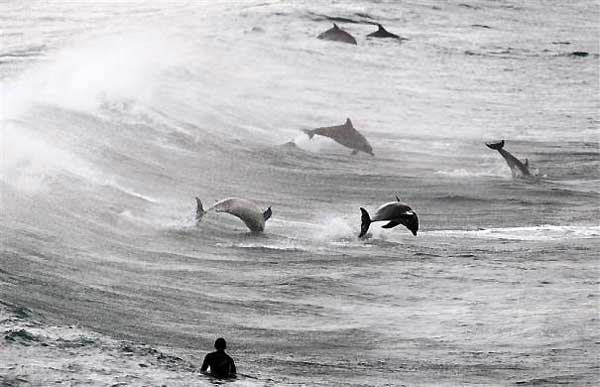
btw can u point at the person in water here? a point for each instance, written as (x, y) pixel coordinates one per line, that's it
(221, 364)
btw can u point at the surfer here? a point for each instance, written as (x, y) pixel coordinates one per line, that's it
(221, 364)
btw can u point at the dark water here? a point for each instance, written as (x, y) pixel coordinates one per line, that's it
(116, 116)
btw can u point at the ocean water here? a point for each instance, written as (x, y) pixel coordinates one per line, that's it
(114, 116)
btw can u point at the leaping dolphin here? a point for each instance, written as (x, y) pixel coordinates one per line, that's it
(247, 211)
(517, 167)
(344, 134)
(383, 33)
(336, 34)
(395, 212)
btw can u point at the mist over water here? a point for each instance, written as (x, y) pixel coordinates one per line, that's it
(115, 116)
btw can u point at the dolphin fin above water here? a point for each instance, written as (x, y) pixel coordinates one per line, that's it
(495, 145)
(336, 34)
(517, 167)
(199, 209)
(383, 33)
(310, 133)
(267, 214)
(365, 222)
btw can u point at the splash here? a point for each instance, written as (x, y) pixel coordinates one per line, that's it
(85, 75)
(29, 163)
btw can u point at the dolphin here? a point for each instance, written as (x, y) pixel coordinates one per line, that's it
(383, 33)
(344, 134)
(337, 35)
(396, 212)
(517, 167)
(247, 211)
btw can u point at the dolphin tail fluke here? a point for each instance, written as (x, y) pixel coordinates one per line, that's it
(310, 133)
(365, 222)
(267, 214)
(199, 210)
(495, 145)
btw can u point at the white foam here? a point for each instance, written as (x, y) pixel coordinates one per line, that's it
(530, 233)
(85, 75)
(161, 218)
(285, 246)
(130, 191)
(495, 170)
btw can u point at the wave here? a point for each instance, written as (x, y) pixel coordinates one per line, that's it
(266, 248)
(591, 186)
(529, 233)
(496, 171)
(48, 348)
(131, 192)
(451, 198)
(30, 161)
(27, 52)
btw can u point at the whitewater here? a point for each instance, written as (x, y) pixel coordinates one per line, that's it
(114, 116)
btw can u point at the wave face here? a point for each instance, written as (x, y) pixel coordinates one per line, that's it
(115, 118)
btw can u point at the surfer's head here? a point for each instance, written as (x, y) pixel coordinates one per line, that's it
(220, 344)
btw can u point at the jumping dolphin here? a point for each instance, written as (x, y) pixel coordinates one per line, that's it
(344, 134)
(396, 212)
(337, 35)
(383, 33)
(517, 167)
(247, 211)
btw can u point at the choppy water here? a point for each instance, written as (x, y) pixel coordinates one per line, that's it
(114, 116)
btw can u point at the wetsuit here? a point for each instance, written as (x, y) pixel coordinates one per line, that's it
(221, 365)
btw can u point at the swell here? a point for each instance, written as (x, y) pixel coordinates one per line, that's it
(91, 357)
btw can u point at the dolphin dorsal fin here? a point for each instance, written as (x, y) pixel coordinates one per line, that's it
(381, 29)
(348, 123)
(526, 163)
(335, 26)
(397, 198)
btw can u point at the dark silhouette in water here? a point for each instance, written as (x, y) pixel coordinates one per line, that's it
(221, 364)
(383, 33)
(518, 168)
(336, 34)
(579, 53)
(395, 212)
(344, 134)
